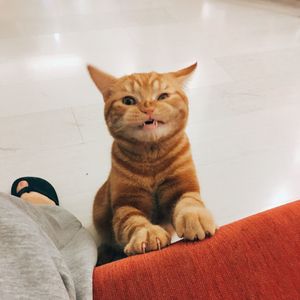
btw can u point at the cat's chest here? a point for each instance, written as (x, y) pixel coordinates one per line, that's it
(154, 178)
(158, 170)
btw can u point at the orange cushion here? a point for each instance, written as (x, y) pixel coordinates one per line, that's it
(254, 258)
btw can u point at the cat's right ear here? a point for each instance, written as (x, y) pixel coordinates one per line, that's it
(102, 80)
(183, 75)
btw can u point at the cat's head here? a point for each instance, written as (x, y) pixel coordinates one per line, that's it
(144, 107)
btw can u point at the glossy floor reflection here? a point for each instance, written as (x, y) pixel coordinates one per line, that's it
(245, 96)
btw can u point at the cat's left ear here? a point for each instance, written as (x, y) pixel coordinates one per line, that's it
(102, 80)
(183, 74)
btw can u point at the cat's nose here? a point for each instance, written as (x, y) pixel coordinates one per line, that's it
(148, 110)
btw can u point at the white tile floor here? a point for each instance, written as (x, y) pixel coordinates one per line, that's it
(245, 97)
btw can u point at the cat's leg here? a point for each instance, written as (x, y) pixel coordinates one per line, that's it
(108, 251)
(135, 232)
(189, 216)
(191, 219)
(102, 215)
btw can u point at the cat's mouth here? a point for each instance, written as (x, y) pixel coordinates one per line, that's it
(151, 124)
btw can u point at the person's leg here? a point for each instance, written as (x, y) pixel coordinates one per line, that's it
(77, 251)
(75, 243)
(31, 266)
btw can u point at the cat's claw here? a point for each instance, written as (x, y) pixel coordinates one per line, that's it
(158, 244)
(194, 223)
(144, 247)
(146, 239)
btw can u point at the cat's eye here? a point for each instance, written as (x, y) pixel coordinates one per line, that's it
(163, 96)
(128, 100)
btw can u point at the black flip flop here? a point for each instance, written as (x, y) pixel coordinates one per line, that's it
(35, 184)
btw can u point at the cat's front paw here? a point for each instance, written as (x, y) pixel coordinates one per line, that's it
(148, 238)
(194, 222)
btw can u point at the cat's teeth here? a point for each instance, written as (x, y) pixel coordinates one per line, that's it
(150, 126)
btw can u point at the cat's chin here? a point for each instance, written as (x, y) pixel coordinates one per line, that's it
(151, 133)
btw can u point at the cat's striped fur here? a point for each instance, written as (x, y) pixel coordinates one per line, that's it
(152, 187)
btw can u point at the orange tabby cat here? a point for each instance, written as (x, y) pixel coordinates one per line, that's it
(152, 187)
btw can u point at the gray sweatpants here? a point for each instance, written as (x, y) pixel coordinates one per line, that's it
(45, 253)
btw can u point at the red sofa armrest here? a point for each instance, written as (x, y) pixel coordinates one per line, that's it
(255, 258)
